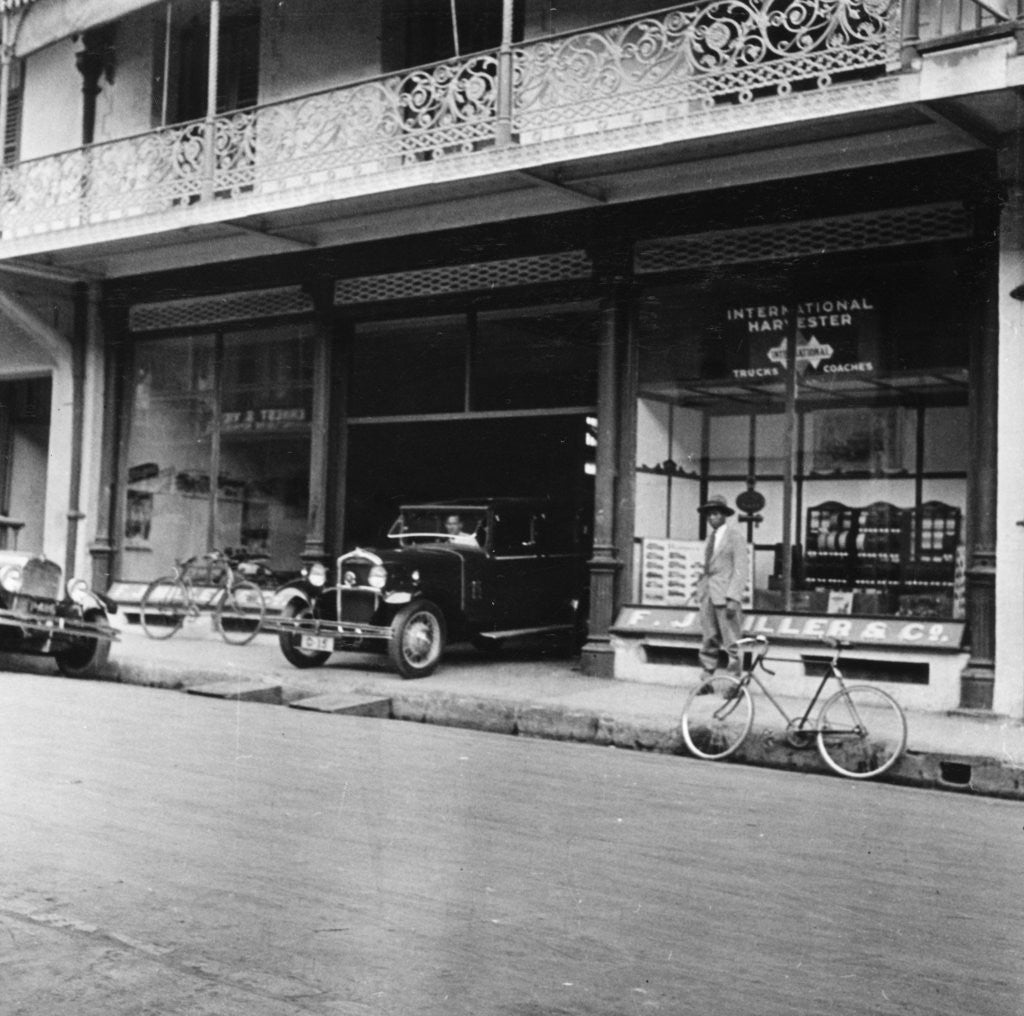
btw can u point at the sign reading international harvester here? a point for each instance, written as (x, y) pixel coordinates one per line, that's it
(833, 336)
(908, 633)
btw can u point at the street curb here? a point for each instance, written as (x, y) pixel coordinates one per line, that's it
(958, 773)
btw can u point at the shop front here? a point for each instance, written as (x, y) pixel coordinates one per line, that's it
(294, 434)
(829, 400)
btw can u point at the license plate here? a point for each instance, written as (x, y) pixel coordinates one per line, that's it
(317, 643)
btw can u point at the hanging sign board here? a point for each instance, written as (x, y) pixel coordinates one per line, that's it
(835, 335)
(905, 633)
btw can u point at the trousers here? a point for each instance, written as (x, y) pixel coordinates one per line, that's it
(718, 632)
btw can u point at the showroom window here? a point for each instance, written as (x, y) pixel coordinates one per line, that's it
(535, 358)
(848, 473)
(235, 406)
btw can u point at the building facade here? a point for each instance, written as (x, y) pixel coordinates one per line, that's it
(271, 269)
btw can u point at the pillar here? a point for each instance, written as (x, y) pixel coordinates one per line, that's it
(1006, 413)
(978, 677)
(613, 271)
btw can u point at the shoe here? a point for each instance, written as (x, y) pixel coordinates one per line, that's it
(705, 686)
(705, 689)
(734, 692)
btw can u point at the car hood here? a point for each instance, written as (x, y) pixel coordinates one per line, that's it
(410, 556)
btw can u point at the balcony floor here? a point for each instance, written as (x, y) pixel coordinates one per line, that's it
(494, 187)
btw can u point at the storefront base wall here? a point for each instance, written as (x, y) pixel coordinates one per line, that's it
(940, 694)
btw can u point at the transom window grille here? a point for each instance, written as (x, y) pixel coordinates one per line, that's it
(889, 228)
(462, 278)
(204, 311)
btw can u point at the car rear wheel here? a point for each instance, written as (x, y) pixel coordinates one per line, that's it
(417, 639)
(291, 643)
(85, 657)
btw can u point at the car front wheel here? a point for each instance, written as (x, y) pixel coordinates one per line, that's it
(85, 656)
(291, 644)
(417, 639)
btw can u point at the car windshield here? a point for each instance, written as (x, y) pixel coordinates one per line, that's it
(438, 525)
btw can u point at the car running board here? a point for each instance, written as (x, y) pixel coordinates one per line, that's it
(512, 633)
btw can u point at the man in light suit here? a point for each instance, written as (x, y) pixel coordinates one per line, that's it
(720, 589)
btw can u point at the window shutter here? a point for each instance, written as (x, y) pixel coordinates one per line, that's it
(16, 89)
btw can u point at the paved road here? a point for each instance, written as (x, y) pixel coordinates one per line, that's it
(165, 853)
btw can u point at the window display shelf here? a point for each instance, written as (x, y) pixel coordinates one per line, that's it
(896, 551)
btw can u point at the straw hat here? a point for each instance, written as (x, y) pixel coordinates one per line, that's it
(716, 503)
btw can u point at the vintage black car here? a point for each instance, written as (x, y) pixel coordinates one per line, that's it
(41, 615)
(478, 570)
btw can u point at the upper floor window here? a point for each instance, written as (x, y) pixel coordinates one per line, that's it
(415, 32)
(181, 53)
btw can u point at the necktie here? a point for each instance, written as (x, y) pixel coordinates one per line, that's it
(709, 550)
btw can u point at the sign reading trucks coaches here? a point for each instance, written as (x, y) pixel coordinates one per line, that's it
(834, 335)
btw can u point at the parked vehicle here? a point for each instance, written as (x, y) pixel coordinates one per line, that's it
(514, 567)
(43, 615)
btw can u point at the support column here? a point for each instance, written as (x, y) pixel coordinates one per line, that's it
(111, 385)
(614, 274)
(503, 124)
(210, 124)
(319, 467)
(94, 60)
(1007, 690)
(978, 677)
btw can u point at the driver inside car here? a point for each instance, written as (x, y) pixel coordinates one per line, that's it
(455, 529)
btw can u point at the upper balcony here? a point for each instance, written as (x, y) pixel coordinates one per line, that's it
(701, 94)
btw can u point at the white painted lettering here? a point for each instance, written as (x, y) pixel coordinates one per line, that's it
(911, 632)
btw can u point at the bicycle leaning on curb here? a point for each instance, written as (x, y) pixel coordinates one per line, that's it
(860, 731)
(209, 581)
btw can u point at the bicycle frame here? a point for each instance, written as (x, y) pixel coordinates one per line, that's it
(805, 720)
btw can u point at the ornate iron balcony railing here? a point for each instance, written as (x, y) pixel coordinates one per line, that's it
(665, 67)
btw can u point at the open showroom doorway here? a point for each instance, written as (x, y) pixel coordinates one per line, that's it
(520, 456)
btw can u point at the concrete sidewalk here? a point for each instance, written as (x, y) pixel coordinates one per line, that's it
(529, 692)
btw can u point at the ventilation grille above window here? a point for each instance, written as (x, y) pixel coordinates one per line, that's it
(891, 228)
(462, 278)
(204, 311)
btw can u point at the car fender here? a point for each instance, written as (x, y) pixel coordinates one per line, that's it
(91, 600)
(289, 594)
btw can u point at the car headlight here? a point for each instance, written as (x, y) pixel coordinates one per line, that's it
(378, 577)
(317, 575)
(11, 577)
(79, 591)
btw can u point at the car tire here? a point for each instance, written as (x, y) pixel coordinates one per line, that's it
(304, 659)
(417, 639)
(86, 657)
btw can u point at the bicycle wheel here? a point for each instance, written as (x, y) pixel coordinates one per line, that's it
(717, 717)
(240, 611)
(861, 732)
(164, 607)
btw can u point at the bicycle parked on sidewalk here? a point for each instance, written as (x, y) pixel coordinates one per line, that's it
(198, 584)
(860, 731)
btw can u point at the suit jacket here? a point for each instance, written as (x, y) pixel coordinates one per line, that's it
(726, 577)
